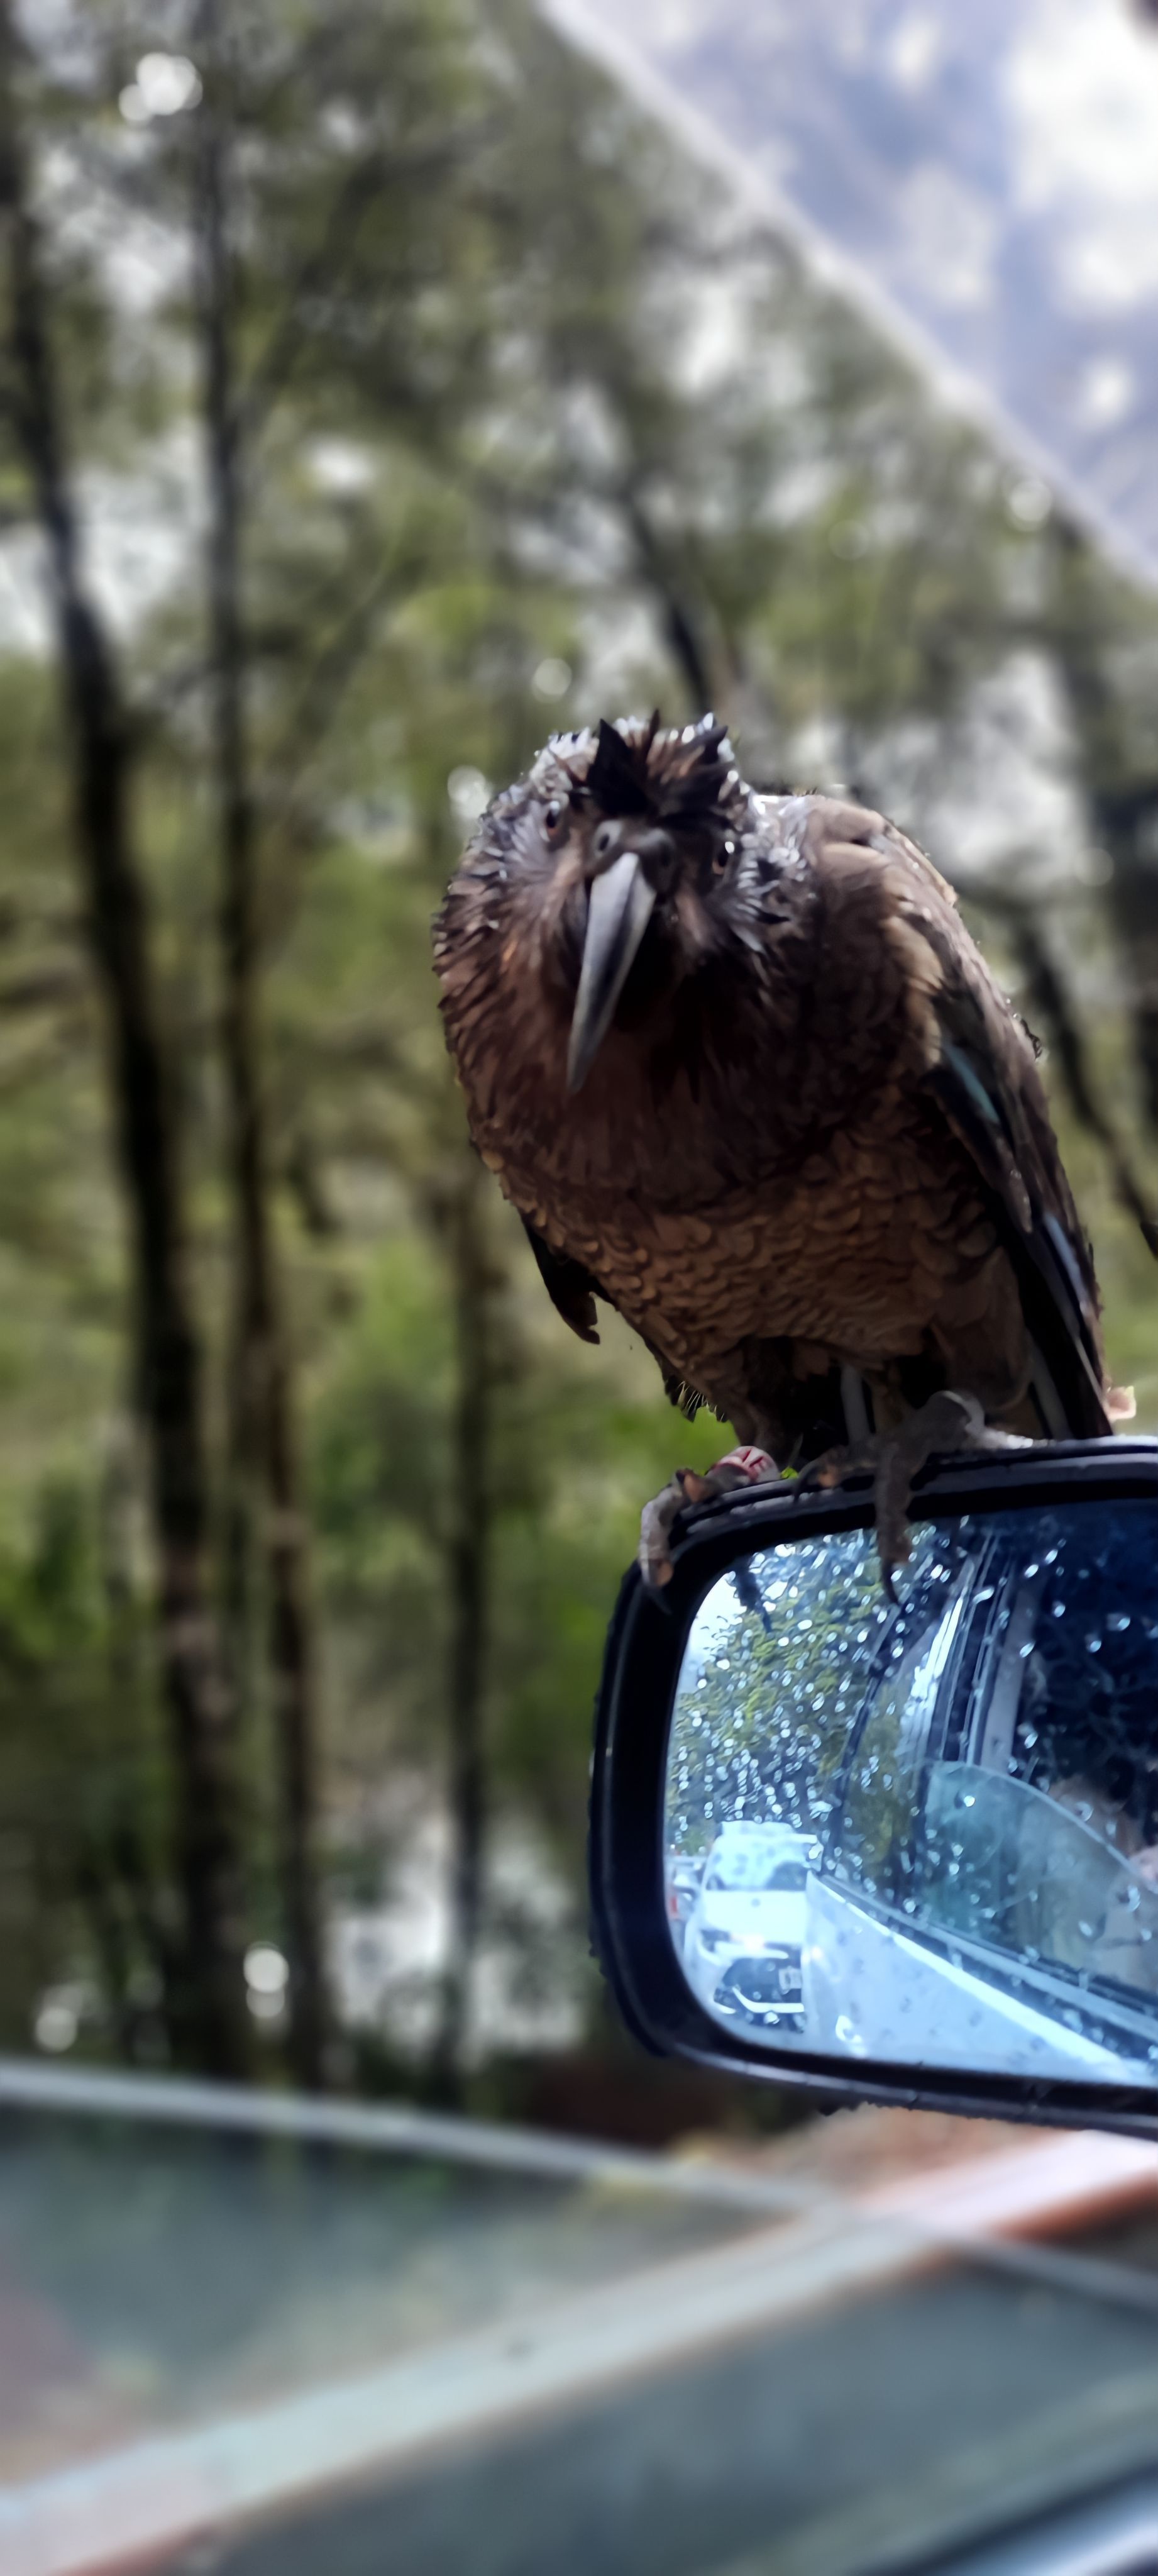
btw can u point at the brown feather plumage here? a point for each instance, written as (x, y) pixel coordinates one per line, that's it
(813, 1136)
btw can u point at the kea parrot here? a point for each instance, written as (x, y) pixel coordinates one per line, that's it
(744, 1074)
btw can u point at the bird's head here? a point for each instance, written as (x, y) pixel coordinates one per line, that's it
(620, 857)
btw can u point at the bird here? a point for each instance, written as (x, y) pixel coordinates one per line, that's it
(745, 1075)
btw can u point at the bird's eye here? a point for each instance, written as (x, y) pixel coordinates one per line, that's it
(553, 818)
(604, 840)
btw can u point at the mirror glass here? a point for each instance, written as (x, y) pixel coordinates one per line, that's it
(927, 1832)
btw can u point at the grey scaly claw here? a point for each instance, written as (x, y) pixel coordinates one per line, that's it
(740, 1467)
(948, 1423)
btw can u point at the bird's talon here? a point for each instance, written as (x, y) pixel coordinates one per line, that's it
(823, 1474)
(688, 1487)
(945, 1424)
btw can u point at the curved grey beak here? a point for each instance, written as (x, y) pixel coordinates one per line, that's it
(618, 911)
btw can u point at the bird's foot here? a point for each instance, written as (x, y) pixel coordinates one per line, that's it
(945, 1425)
(740, 1467)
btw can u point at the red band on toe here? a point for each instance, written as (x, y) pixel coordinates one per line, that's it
(755, 1464)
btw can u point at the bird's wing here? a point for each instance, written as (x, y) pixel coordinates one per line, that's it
(573, 1291)
(569, 1286)
(980, 1070)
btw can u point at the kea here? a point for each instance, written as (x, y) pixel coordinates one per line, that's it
(744, 1074)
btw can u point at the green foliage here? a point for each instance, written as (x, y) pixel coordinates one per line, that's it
(767, 1697)
(519, 388)
(82, 1788)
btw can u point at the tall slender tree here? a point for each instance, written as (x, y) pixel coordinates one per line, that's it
(469, 1550)
(263, 1478)
(208, 2010)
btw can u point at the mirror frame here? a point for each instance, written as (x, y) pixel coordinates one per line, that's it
(642, 1662)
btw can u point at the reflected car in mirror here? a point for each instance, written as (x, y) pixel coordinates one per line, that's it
(743, 1948)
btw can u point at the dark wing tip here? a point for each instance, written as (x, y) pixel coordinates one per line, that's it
(570, 1287)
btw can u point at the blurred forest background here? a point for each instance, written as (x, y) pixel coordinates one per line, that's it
(379, 393)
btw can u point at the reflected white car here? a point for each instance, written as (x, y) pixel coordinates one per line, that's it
(744, 1937)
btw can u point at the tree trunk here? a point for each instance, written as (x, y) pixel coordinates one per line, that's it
(1129, 828)
(212, 2017)
(468, 1571)
(1123, 806)
(263, 1477)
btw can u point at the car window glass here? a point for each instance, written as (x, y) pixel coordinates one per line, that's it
(870, 1844)
(781, 1656)
(1015, 1868)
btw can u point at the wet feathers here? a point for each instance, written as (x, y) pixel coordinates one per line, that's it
(810, 1147)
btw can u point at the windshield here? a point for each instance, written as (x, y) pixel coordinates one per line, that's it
(737, 1868)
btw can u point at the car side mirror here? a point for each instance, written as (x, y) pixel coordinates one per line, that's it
(897, 1850)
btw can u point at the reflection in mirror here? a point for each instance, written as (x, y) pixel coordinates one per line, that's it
(927, 1831)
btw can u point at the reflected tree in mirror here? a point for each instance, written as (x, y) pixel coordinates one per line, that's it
(926, 1832)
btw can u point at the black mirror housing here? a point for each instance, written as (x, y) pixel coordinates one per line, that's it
(962, 1941)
